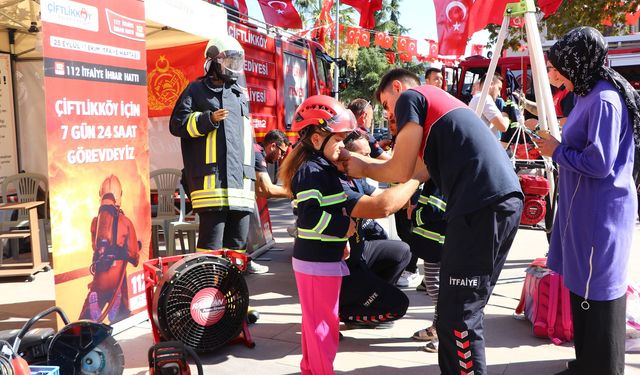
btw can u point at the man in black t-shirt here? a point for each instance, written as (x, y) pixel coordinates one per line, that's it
(274, 147)
(484, 204)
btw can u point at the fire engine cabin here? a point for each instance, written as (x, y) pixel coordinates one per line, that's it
(280, 74)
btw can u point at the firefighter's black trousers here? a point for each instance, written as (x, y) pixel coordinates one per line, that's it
(225, 229)
(474, 252)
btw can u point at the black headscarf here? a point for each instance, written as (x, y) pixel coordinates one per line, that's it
(580, 56)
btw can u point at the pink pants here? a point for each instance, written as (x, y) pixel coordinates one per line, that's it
(319, 296)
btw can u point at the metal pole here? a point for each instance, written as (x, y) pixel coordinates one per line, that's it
(336, 73)
(504, 28)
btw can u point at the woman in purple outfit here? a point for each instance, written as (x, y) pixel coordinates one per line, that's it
(597, 204)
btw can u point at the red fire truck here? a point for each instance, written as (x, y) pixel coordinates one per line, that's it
(624, 57)
(280, 73)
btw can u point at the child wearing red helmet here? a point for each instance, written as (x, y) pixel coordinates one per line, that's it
(324, 226)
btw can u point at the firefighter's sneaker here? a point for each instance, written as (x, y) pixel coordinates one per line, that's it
(408, 279)
(255, 267)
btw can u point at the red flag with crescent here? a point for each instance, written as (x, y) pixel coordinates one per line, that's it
(353, 35)
(408, 45)
(280, 13)
(323, 23)
(365, 38)
(549, 7)
(366, 8)
(433, 49)
(383, 40)
(476, 49)
(452, 19)
(482, 13)
(406, 57)
(391, 57)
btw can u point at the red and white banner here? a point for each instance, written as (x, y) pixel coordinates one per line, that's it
(280, 13)
(98, 155)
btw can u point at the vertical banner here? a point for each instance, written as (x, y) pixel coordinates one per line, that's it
(98, 154)
(8, 148)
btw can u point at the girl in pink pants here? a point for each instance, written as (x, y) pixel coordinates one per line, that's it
(324, 227)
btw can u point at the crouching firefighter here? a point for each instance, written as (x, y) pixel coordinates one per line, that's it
(115, 244)
(211, 117)
(369, 297)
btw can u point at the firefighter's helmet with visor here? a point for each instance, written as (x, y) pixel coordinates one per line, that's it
(225, 56)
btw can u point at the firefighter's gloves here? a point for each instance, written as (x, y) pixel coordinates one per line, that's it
(219, 115)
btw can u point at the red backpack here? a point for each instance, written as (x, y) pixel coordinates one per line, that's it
(545, 302)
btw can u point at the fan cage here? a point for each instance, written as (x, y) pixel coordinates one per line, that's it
(176, 290)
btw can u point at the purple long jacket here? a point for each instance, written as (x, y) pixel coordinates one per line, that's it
(597, 204)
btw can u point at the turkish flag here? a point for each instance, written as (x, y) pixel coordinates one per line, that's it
(408, 45)
(391, 57)
(482, 13)
(280, 13)
(516, 22)
(383, 40)
(323, 22)
(476, 49)
(549, 7)
(365, 38)
(239, 5)
(406, 57)
(452, 19)
(632, 18)
(353, 35)
(366, 8)
(433, 49)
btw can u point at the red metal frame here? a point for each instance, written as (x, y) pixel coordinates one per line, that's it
(155, 268)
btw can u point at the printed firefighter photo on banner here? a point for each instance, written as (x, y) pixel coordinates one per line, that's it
(115, 245)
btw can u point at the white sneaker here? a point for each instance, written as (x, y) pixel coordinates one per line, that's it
(408, 279)
(255, 267)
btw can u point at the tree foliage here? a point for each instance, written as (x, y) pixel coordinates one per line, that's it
(574, 13)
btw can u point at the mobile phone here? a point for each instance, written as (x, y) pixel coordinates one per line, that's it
(532, 133)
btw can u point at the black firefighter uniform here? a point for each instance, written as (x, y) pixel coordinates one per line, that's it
(218, 156)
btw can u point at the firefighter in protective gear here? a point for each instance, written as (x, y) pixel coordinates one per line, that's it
(211, 117)
(115, 244)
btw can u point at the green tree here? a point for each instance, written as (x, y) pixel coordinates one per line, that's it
(574, 13)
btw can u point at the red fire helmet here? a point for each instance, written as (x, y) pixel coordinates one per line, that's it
(325, 112)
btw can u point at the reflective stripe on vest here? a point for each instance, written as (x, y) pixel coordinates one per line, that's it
(224, 197)
(315, 234)
(434, 201)
(210, 196)
(429, 235)
(322, 200)
(419, 217)
(438, 203)
(192, 125)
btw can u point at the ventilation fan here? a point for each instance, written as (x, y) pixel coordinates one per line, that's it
(201, 300)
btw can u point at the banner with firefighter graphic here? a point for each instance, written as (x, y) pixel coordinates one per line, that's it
(98, 154)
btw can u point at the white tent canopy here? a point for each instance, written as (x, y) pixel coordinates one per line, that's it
(169, 23)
